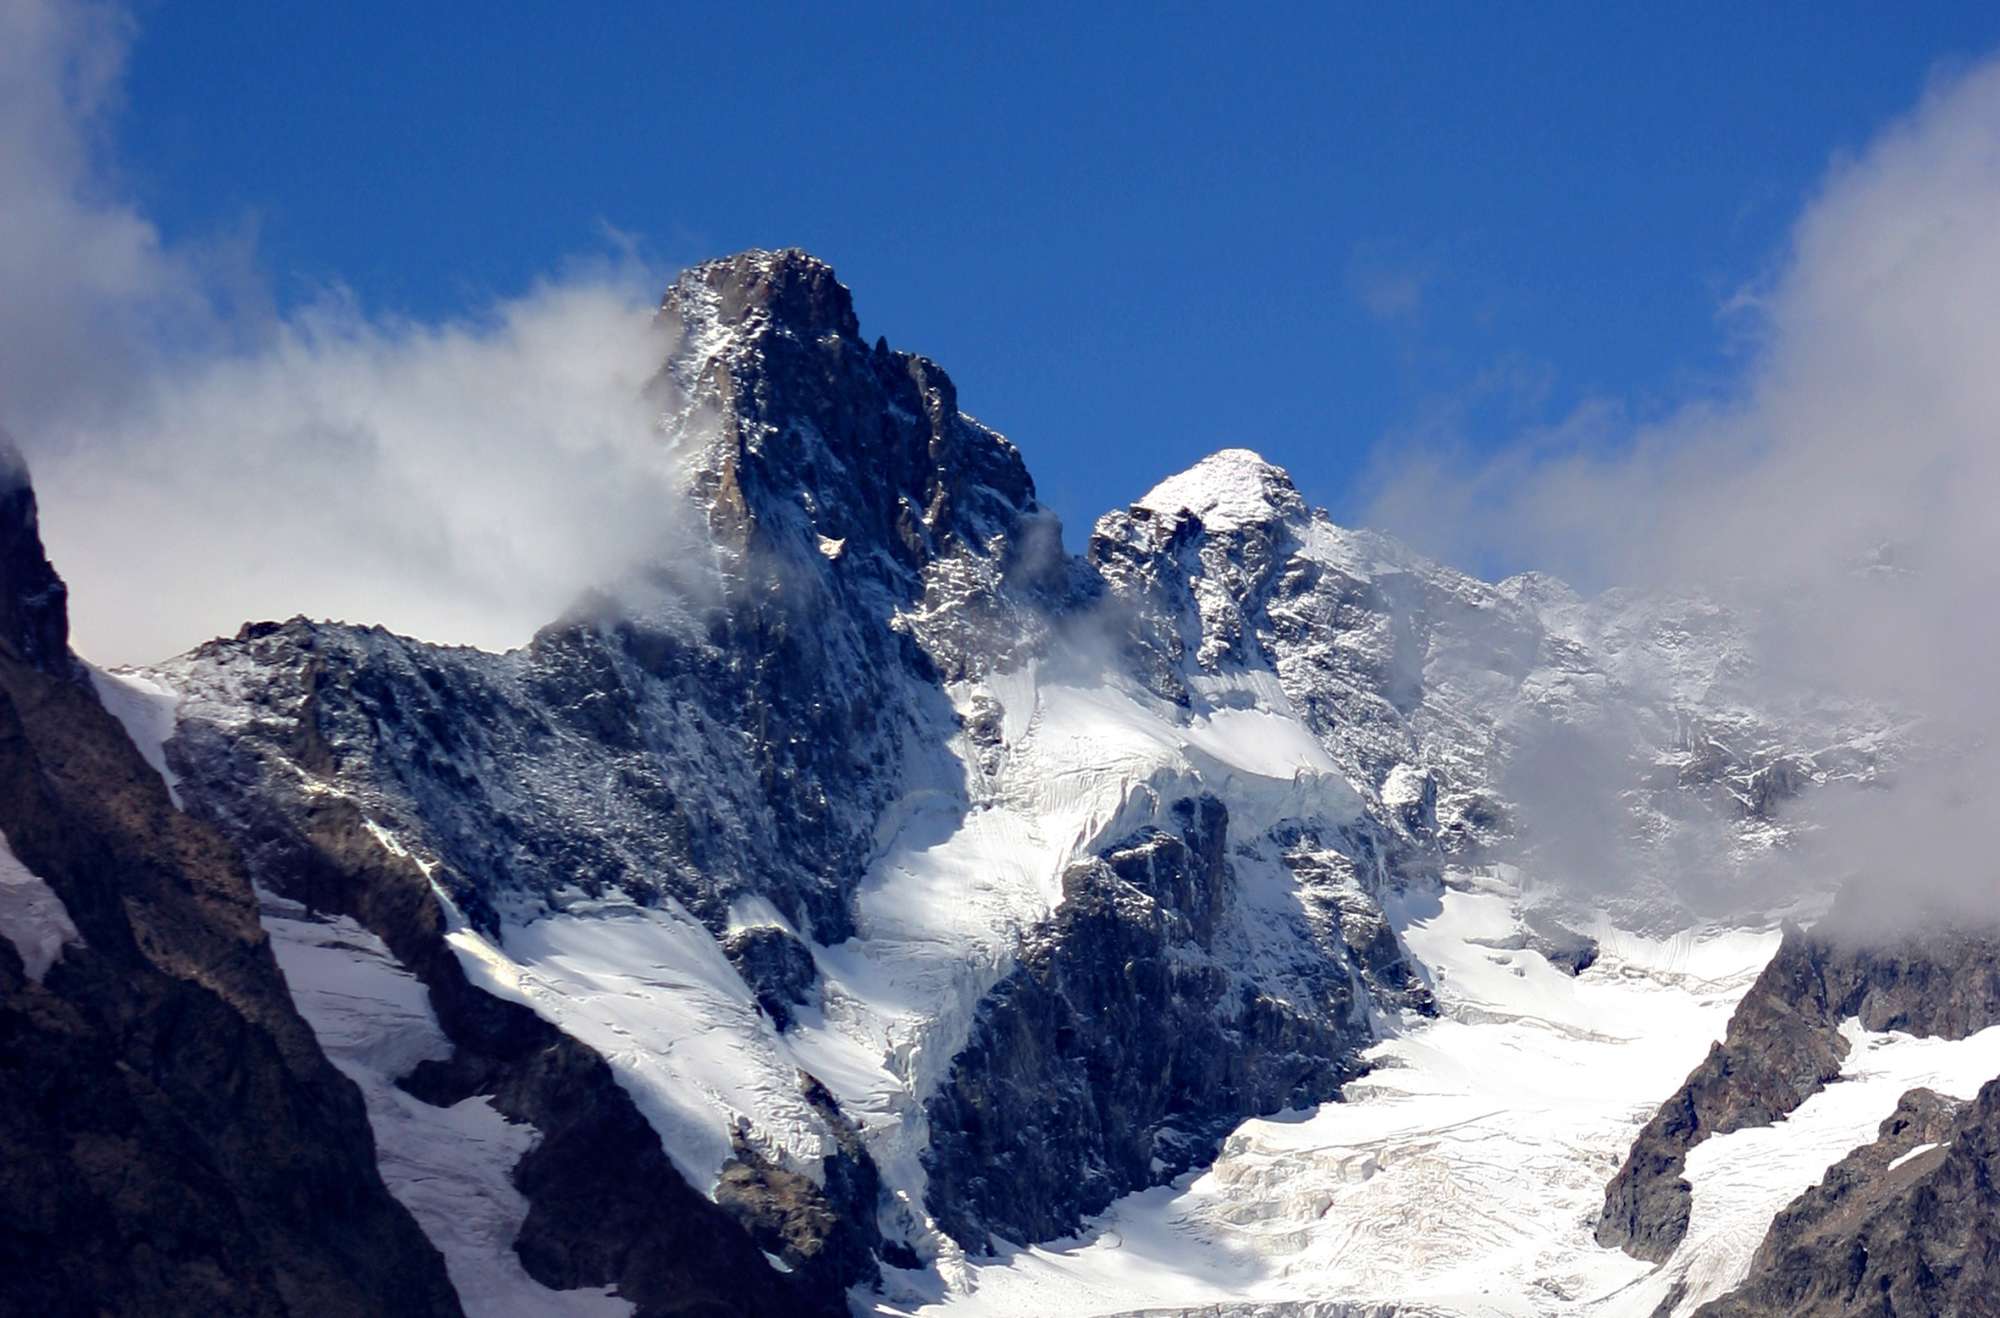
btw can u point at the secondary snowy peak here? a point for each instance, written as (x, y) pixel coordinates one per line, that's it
(1228, 490)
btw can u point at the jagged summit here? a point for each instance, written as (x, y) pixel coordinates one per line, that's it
(34, 609)
(850, 461)
(796, 289)
(1228, 490)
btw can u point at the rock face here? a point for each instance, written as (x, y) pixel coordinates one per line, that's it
(826, 1232)
(606, 1207)
(778, 968)
(1121, 1049)
(176, 1143)
(1562, 945)
(1907, 1225)
(34, 609)
(1784, 1044)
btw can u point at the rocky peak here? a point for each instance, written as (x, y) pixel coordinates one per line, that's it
(807, 441)
(847, 471)
(34, 612)
(793, 290)
(1231, 490)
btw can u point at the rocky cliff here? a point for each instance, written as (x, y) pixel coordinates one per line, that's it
(1909, 1224)
(176, 1142)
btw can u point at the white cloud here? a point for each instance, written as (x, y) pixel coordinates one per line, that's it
(459, 482)
(80, 269)
(1866, 429)
(201, 464)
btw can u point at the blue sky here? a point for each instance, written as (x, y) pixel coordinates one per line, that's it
(1132, 235)
(1570, 293)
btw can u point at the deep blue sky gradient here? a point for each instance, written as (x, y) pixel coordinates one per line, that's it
(1132, 233)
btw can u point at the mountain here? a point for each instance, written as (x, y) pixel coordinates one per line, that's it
(872, 903)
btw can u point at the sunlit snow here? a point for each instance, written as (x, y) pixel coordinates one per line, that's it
(1463, 1175)
(450, 1166)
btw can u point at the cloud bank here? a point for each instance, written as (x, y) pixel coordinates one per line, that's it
(203, 461)
(1843, 496)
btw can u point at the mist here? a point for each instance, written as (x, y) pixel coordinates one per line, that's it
(203, 459)
(1839, 496)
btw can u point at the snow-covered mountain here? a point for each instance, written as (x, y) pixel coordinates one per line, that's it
(1244, 914)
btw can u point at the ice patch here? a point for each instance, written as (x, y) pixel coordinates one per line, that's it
(450, 1166)
(147, 709)
(1403, 785)
(1917, 1152)
(32, 917)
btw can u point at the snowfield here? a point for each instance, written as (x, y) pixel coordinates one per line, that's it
(146, 707)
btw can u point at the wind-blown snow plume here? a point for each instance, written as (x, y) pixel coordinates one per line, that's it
(204, 461)
(1842, 496)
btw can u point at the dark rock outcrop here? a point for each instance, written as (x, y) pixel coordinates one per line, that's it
(1784, 1043)
(1565, 948)
(1119, 1051)
(175, 1141)
(827, 1233)
(1894, 1227)
(34, 603)
(778, 968)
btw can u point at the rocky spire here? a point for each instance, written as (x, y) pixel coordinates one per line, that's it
(816, 430)
(795, 289)
(34, 612)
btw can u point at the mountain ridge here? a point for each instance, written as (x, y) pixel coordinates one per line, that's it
(869, 883)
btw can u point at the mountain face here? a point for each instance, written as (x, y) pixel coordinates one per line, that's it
(1261, 916)
(1785, 1044)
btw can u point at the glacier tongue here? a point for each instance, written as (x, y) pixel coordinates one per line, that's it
(1461, 1175)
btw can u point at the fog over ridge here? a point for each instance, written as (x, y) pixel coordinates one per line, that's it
(203, 459)
(1839, 498)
